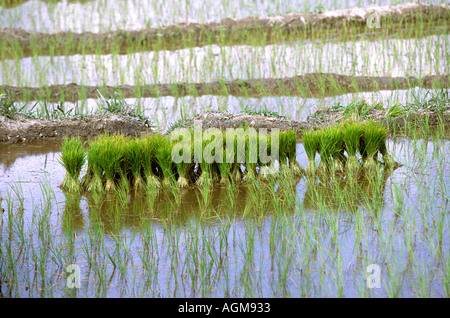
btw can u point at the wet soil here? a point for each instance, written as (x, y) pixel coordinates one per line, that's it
(320, 118)
(23, 129)
(413, 17)
(308, 85)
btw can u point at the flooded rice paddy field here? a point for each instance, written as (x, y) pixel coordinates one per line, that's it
(391, 57)
(280, 238)
(99, 16)
(285, 239)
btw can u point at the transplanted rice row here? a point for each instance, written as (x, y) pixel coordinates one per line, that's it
(148, 162)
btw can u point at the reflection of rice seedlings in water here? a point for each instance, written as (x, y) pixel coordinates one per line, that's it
(353, 132)
(164, 159)
(311, 142)
(149, 145)
(72, 158)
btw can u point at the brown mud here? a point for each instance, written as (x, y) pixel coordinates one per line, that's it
(21, 129)
(327, 118)
(307, 86)
(412, 19)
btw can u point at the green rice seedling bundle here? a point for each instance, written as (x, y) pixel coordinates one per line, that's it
(251, 155)
(311, 142)
(93, 180)
(184, 168)
(207, 169)
(110, 158)
(291, 148)
(264, 141)
(225, 167)
(135, 161)
(72, 158)
(374, 139)
(283, 148)
(287, 150)
(353, 133)
(337, 151)
(149, 146)
(164, 159)
(236, 166)
(331, 146)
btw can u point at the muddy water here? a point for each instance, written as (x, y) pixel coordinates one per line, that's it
(98, 16)
(385, 57)
(413, 199)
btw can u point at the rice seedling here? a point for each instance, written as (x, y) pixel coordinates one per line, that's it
(266, 161)
(110, 158)
(251, 155)
(134, 160)
(208, 169)
(163, 157)
(311, 142)
(353, 132)
(287, 152)
(373, 140)
(226, 166)
(72, 158)
(93, 180)
(185, 166)
(330, 150)
(150, 145)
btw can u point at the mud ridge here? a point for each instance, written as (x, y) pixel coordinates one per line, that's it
(397, 124)
(414, 17)
(309, 85)
(22, 129)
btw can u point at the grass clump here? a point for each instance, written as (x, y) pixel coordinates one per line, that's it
(357, 108)
(72, 158)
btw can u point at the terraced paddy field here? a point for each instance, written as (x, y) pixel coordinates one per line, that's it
(94, 203)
